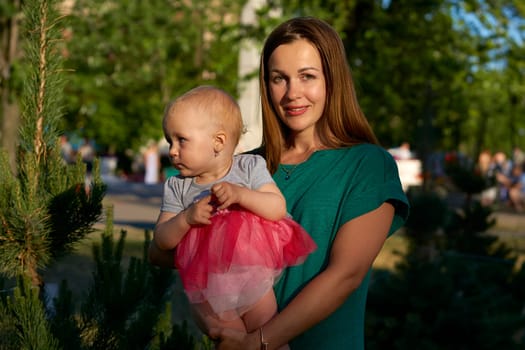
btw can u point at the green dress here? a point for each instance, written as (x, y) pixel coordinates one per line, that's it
(323, 193)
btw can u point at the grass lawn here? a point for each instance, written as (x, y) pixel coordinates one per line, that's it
(396, 246)
(393, 250)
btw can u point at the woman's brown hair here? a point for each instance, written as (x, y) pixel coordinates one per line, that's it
(343, 124)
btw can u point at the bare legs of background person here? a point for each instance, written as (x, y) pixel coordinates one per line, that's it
(517, 199)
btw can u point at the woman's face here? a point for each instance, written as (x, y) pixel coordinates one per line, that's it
(297, 85)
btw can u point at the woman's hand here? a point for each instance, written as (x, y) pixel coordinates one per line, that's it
(232, 339)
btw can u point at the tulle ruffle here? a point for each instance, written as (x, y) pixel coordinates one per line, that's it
(235, 260)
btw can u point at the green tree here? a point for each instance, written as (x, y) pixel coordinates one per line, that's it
(423, 69)
(418, 67)
(10, 18)
(122, 309)
(45, 207)
(497, 78)
(457, 286)
(24, 322)
(129, 58)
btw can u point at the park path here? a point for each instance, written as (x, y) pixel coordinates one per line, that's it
(135, 205)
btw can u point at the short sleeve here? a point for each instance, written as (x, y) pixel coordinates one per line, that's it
(171, 199)
(254, 168)
(375, 181)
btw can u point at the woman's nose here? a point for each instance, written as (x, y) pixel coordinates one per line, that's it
(294, 90)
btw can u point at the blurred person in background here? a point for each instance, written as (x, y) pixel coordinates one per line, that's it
(151, 159)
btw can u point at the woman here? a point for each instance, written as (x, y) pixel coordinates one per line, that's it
(338, 183)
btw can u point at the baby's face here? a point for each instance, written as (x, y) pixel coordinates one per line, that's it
(190, 135)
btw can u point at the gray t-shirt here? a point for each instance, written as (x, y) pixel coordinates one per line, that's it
(247, 170)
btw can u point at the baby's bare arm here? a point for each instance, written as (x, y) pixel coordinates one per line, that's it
(171, 227)
(267, 201)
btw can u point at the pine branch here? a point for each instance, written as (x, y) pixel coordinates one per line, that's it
(26, 311)
(45, 206)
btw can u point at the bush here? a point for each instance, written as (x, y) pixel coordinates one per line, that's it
(456, 288)
(123, 309)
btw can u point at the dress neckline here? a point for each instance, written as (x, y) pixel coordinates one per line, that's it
(288, 169)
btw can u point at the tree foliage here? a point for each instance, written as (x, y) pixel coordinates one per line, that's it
(441, 74)
(129, 58)
(35, 198)
(24, 322)
(124, 308)
(456, 287)
(10, 82)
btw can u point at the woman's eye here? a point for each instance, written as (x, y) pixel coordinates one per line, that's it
(277, 79)
(307, 77)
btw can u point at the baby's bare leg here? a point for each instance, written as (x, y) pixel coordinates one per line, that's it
(261, 312)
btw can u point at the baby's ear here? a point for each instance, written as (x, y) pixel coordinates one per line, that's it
(220, 140)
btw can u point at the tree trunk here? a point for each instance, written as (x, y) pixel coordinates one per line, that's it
(9, 129)
(9, 110)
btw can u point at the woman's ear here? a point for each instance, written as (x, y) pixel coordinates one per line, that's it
(220, 141)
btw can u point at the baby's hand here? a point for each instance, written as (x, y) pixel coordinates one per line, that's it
(199, 213)
(227, 194)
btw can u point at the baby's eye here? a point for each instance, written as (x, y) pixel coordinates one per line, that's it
(181, 140)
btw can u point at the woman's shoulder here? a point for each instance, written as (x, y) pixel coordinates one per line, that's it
(362, 150)
(369, 148)
(361, 157)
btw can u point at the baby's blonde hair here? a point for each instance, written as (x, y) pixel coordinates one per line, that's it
(216, 104)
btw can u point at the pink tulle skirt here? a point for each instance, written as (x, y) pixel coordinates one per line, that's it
(235, 260)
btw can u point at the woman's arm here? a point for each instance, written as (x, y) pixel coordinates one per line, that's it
(159, 257)
(355, 248)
